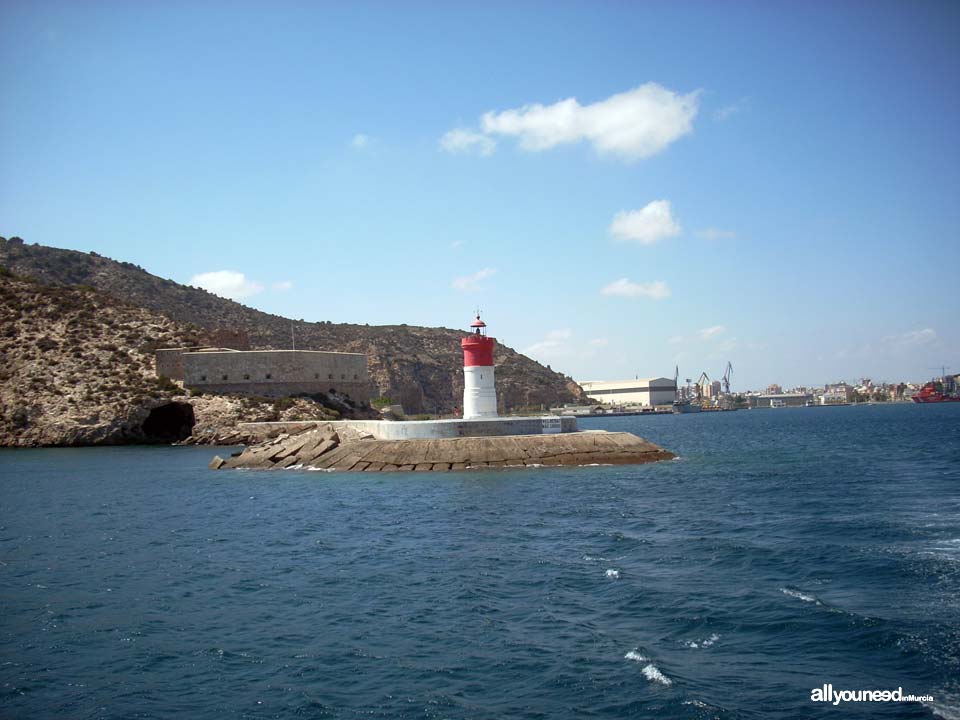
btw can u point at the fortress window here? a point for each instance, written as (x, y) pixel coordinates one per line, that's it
(330, 376)
(316, 376)
(246, 376)
(224, 377)
(343, 377)
(355, 377)
(203, 378)
(269, 376)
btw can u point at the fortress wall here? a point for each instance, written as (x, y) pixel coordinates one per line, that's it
(277, 373)
(170, 363)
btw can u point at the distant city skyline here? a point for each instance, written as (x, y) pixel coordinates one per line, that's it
(621, 188)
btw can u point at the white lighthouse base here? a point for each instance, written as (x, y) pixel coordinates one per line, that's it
(479, 393)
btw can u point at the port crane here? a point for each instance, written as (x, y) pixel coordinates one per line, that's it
(726, 378)
(702, 382)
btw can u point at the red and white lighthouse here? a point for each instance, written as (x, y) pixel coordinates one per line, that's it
(479, 393)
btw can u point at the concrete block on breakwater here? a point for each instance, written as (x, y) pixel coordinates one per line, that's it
(325, 447)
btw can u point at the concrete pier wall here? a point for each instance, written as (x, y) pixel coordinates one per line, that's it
(427, 429)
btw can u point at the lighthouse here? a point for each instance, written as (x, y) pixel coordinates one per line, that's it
(479, 393)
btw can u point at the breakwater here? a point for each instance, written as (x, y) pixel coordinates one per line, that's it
(325, 447)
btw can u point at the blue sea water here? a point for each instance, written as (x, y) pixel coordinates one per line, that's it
(782, 550)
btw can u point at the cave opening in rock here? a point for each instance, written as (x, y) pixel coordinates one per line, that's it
(169, 423)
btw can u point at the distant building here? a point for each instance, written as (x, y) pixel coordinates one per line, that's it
(643, 391)
(774, 389)
(780, 400)
(837, 394)
(578, 410)
(713, 389)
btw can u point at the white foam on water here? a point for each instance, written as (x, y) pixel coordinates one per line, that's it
(947, 712)
(944, 549)
(799, 595)
(611, 573)
(311, 468)
(694, 644)
(591, 558)
(635, 656)
(652, 673)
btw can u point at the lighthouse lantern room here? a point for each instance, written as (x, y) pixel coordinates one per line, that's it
(479, 393)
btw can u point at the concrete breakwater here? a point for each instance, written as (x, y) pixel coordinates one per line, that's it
(327, 448)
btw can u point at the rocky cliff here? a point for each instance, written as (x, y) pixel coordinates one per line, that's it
(419, 367)
(77, 368)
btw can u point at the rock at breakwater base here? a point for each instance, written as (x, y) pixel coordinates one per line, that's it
(323, 448)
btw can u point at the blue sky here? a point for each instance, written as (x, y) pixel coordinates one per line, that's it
(621, 187)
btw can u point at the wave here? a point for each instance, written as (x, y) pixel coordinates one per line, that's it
(612, 573)
(947, 712)
(650, 671)
(944, 550)
(707, 642)
(800, 595)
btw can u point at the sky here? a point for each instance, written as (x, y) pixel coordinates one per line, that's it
(622, 188)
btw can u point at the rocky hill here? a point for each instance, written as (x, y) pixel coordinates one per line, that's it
(419, 367)
(77, 368)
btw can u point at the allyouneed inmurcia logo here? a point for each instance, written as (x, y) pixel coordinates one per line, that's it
(828, 695)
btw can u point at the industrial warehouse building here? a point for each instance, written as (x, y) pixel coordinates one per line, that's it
(642, 391)
(272, 373)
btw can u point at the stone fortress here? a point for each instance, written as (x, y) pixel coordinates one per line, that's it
(270, 373)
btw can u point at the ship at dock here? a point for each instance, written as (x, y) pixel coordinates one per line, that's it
(944, 389)
(681, 407)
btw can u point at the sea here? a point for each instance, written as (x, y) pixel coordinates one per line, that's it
(782, 551)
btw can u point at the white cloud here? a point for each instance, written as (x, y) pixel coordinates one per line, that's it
(727, 346)
(651, 223)
(456, 244)
(711, 233)
(712, 332)
(555, 344)
(227, 283)
(708, 334)
(461, 140)
(632, 125)
(561, 345)
(730, 110)
(471, 283)
(282, 286)
(360, 141)
(913, 338)
(656, 290)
